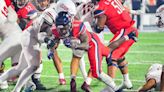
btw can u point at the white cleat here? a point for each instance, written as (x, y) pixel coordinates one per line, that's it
(4, 85)
(126, 85)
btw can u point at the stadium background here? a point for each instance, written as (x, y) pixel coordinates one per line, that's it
(148, 50)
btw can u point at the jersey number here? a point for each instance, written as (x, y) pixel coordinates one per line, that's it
(4, 11)
(118, 6)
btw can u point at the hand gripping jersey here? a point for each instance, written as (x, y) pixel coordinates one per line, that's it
(4, 4)
(117, 17)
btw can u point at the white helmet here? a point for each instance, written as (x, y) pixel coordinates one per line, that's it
(160, 15)
(67, 6)
(80, 1)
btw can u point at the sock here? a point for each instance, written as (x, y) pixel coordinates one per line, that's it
(73, 77)
(126, 77)
(37, 73)
(82, 68)
(108, 80)
(88, 80)
(61, 76)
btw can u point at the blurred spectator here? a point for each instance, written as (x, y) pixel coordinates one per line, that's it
(136, 5)
(160, 2)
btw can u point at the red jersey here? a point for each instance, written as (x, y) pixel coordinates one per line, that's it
(8, 3)
(23, 12)
(117, 17)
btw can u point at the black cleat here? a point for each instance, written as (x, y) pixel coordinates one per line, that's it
(39, 85)
(73, 85)
(86, 87)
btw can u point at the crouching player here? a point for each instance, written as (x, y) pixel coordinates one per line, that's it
(153, 78)
(73, 29)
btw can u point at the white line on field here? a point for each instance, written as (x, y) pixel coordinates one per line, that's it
(78, 77)
(132, 52)
(131, 63)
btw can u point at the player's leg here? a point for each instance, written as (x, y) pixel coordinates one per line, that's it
(95, 54)
(9, 48)
(123, 66)
(59, 67)
(36, 76)
(162, 79)
(148, 85)
(14, 60)
(32, 56)
(82, 67)
(74, 69)
(86, 84)
(14, 71)
(80, 54)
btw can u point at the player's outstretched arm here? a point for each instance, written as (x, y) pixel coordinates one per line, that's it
(148, 85)
(162, 80)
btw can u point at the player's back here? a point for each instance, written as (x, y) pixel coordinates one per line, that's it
(78, 28)
(117, 17)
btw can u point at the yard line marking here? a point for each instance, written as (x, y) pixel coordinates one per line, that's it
(78, 77)
(131, 63)
(132, 52)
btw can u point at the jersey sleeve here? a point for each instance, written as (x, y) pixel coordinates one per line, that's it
(80, 28)
(8, 3)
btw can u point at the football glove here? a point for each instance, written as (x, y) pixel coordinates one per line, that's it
(132, 35)
(50, 54)
(67, 42)
(50, 43)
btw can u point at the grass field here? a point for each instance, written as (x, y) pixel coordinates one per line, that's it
(148, 50)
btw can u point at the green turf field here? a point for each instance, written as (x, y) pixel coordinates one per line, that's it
(148, 50)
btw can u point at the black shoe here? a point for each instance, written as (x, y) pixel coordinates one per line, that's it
(73, 85)
(39, 85)
(86, 87)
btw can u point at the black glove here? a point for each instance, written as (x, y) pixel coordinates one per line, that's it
(67, 42)
(132, 35)
(98, 29)
(50, 42)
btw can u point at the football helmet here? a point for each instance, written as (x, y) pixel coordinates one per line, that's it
(42, 4)
(63, 24)
(160, 15)
(21, 3)
(67, 6)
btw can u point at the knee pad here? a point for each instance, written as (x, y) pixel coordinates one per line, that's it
(110, 61)
(119, 61)
(121, 67)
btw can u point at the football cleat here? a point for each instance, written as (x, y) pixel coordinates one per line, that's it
(86, 87)
(62, 81)
(29, 87)
(4, 85)
(73, 85)
(38, 84)
(126, 85)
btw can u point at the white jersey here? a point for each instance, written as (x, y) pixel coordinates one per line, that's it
(155, 72)
(8, 20)
(3, 12)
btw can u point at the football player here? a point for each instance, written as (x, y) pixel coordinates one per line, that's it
(120, 23)
(27, 12)
(10, 34)
(30, 55)
(74, 31)
(153, 78)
